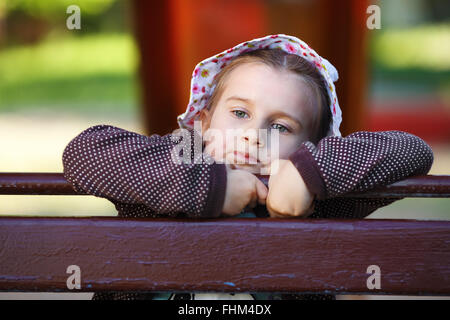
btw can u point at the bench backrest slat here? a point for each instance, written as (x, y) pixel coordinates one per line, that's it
(225, 255)
(436, 186)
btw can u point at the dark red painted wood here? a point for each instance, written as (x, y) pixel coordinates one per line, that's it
(35, 183)
(231, 255)
(437, 186)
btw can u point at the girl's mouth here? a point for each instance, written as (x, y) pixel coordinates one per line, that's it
(245, 158)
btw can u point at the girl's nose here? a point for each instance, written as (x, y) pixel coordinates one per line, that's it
(254, 137)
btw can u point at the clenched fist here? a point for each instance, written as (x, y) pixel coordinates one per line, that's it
(288, 195)
(243, 189)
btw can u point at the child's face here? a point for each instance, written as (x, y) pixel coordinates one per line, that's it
(256, 96)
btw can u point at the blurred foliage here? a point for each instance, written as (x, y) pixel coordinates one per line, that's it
(410, 62)
(426, 47)
(54, 8)
(69, 56)
(93, 72)
(31, 21)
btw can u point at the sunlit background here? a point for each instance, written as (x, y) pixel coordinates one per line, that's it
(55, 83)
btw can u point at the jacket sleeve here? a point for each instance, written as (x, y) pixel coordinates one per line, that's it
(360, 162)
(141, 175)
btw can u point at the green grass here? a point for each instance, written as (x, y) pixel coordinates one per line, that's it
(86, 73)
(115, 92)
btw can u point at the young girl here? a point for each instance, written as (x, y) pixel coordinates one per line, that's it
(276, 83)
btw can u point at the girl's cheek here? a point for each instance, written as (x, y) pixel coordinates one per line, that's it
(280, 149)
(227, 121)
(216, 148)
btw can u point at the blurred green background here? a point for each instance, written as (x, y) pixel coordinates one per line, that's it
(43, 65)
(56, 82)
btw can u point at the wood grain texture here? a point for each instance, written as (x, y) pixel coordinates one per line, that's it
(225, 255)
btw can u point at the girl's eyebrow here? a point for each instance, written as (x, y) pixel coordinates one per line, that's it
(239, 99)
(283, 114)
(278, 113)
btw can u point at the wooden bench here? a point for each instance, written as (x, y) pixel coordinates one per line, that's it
(227, 254)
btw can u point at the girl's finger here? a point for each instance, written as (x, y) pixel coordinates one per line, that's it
(261, 191)
(274, 214)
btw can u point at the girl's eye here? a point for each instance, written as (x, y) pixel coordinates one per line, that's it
(282, 127)
(239, 113)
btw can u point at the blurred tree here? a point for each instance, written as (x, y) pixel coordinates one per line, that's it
(439, 10)
(52, 8)
(29, 21)
(2, 22)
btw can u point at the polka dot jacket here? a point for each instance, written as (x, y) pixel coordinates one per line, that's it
(137, 174)
(359, 162)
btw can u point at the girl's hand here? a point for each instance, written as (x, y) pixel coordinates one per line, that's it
(288, 195)
(243, 189)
